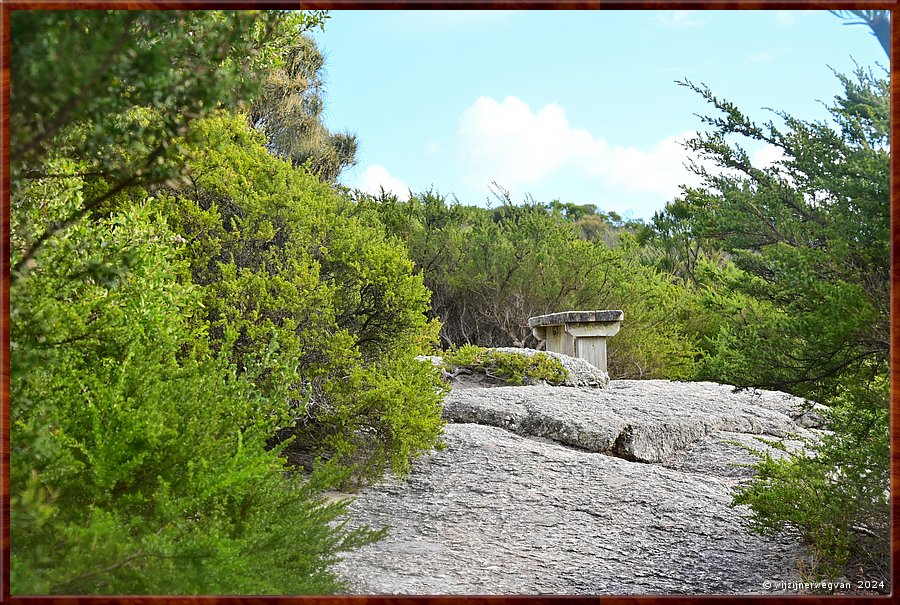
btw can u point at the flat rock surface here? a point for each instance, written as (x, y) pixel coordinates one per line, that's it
(540, 491)
(643, 420)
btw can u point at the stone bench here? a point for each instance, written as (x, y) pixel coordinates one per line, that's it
(579, 334)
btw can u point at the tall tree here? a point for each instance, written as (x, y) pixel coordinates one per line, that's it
(806, 300)
(810, 235)
(289, 110)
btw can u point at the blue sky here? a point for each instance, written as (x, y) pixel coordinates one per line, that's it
(580, 106)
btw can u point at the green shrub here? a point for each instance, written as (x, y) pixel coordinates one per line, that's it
(278, 255)
(514, 369)
(805, 304)
(138, 461)
(834, 494)
(490, 270)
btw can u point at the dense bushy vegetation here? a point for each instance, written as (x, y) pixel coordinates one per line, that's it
(287, 274)
(139, 463)
(207, 332)
(188, 313)
(490, 270)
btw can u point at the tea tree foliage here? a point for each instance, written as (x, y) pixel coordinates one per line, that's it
(187, 313)
(804, 288)
(175, 66)
(284, 267)
(139, 463)
(810, 237)
(836, 493)
(490, 270)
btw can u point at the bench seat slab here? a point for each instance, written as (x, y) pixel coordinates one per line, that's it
(579, 334)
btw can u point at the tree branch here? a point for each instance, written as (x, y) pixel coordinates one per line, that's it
(77, 100)
(57, 226)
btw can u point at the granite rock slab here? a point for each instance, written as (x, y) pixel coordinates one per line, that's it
(552, 490)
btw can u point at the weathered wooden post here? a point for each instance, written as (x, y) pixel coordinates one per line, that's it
(579, 334)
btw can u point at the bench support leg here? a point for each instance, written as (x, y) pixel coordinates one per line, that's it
(592, 349)
(556, 338)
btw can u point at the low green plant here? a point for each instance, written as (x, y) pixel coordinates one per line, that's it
(834, 493)
(139, 461)
(514, 369)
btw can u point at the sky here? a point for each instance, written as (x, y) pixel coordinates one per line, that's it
(579, 106)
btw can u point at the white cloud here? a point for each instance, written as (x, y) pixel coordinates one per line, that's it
(376, 177)
(519, 148)
(678, 19)
(507, 142)
(659, 170)
(766, 156)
